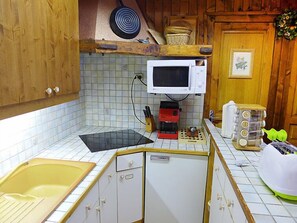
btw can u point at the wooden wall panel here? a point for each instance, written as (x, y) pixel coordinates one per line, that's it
(193, 7)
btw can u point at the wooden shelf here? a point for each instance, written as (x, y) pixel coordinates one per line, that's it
(119, 47)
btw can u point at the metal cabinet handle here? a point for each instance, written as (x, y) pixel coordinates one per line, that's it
(230, 203)
(219, 197)
(160, 158)
(88, 207)
(222, 207)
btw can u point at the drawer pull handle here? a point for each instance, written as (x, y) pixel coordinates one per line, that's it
(159, 158)
(129, 176)
(131, 163)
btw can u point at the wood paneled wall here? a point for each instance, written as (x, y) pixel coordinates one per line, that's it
(233, 11)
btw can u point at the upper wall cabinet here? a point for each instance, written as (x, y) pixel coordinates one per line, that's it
(39, 52)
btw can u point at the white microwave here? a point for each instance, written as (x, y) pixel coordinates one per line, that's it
(176, 76)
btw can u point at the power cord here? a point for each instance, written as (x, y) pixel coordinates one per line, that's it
(175, 99)
(136, 76)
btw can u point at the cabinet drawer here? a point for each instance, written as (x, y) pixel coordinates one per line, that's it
(130, 161)
(107, 176)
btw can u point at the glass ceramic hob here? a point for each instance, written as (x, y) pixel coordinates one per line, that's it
(113, 140)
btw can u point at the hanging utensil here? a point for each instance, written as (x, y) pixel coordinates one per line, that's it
(124, 22)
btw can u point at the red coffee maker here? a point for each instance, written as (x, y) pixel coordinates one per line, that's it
(168, 120)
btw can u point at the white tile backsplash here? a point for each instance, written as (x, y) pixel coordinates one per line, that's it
(24, 136)
(107, 81)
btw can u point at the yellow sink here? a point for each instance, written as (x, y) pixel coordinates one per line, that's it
(32, 191)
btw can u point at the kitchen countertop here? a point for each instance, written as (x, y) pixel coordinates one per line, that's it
(263, 205)
(73, 148)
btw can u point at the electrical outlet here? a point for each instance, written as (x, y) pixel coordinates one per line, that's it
(139, 75)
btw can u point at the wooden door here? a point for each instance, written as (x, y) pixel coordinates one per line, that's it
(289, 114)
(256, 41)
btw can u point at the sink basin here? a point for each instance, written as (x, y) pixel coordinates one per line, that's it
(33, 190)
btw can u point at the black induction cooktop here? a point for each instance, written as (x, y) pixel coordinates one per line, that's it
(113, 140)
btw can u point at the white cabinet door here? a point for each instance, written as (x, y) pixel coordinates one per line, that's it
(86, 207)
(93, 214)
(174, 188)
(217, 202)
(130, 195)
(233, 203)
(108, 196)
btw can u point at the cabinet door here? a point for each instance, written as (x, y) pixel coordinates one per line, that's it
(62, 46)
(22, 51)
(93, 215)
(233, 203)
(108, 203)
(38, 49)
(85, 211)
(217, 202)
(130, 195)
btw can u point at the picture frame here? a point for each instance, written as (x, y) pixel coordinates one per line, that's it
(241, 63)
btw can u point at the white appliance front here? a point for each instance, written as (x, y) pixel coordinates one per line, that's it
(175, 188)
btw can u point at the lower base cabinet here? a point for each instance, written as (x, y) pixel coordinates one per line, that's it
(224, 206)
(174, 191)
(130, 187)
(100, 204)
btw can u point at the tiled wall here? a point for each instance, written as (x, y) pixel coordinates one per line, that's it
(24, 136)
(107, 88)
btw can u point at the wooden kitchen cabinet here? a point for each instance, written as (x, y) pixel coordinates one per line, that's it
(224, 206)
(39, 50)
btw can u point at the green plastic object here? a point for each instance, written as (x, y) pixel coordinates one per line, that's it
(282, 135)
(271, 134)
(285, 196)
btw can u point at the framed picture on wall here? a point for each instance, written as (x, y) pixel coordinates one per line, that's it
(241, 63)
